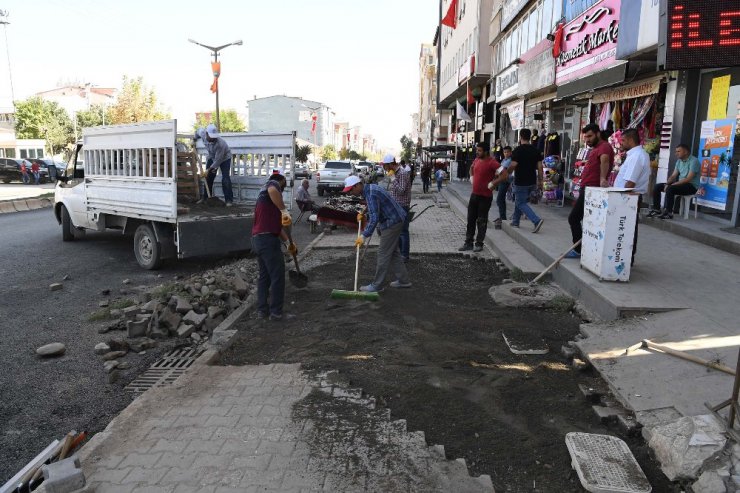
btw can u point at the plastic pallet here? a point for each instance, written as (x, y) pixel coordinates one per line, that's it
(605, 464)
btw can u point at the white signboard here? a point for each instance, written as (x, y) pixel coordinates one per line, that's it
(304, 116)
(507, 83)
(608, 233)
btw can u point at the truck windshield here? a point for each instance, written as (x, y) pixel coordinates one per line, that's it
(337, 165)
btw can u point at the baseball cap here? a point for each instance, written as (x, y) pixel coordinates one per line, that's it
(388, 159)
(350, 182)
(212, 131)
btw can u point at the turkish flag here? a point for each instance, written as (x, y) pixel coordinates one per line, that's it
(471, 98)
(557, 45)
(451, 18)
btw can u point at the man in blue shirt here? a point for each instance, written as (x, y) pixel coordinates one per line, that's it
(683, 181)
(389, 217)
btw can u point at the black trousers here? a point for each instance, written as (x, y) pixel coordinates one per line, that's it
(576, 216)
(478, 208)
(670, 195)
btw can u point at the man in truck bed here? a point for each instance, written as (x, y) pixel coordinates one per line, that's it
(219, 154)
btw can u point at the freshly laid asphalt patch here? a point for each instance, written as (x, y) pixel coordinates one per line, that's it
(435, 356)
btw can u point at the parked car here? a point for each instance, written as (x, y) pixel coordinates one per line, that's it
(10, 170)
(53, 168)
(363, 167)
(331, 176)
(303, 171)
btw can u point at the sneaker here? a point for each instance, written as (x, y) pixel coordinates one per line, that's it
(370, 288)
(275, 317)
(229, 204)
(538, 226)
(573, 254)
(399, 284)
(653, 213)
(466, 247)
(478, 248)
(259, 315)
(666, 215)
(497, 224)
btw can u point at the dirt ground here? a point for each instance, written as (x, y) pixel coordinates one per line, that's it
(435, 356)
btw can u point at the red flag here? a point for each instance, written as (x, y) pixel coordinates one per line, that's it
(557, 44)
(451, 18)
(471, 98)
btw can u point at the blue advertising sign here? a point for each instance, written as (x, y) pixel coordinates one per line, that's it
(715, 156)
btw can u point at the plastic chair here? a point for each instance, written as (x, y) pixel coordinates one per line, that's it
(685, 206)
(303, 207)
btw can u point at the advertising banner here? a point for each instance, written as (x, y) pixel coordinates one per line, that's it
(589, 43)
(715, 156)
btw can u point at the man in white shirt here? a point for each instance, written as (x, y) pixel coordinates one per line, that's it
(634, 172)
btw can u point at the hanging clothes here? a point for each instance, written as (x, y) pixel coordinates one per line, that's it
(640, 110)
(605, 116)
(617, 116)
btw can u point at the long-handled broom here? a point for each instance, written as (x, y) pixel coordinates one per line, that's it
(340, 294)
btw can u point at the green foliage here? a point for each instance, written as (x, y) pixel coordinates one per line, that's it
(562, 303)
(230, 121)
(302, 153)
(328, 153)
(518, 275)
(36, 118)
(408, 148)
(136, 103)
(94, 117)
(354, 156)
(344, 153)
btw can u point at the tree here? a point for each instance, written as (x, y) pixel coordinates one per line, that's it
(302, 153)
(230, 121)
(407, 145)
(328, 152)
(136, 103)
(36, 118)
(354, 155)
(94, 117)
(344, 153)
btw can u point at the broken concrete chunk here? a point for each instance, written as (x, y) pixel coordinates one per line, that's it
(240, 285)
(109, 366)
(137, 328)
(126, 281)
(220, 294)
(170, 319)
(116, 313)
(63, 476)
(102, 348)
(158, 333)
(710, 482)
(196, 337)
(205, 290)
(185, 330)
(118, 345)
(123, 365)
(142, 344)
(53, 349)
(580, 365)
(194, 319)
(56, 286)
(131, 312)
(682, 446)
(114, 355)
(181, 305)
(215, 311)
(211, 323)
(151, 306)
(104, 304)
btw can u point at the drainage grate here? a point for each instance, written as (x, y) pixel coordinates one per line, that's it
(605, 464)
(165, 370)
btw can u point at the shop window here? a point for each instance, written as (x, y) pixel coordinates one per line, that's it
(546, 21)
(557, 11)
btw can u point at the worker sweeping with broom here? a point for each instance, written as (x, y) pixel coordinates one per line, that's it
(386, 215)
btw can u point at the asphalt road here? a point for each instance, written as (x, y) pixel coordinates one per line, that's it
(42, 400)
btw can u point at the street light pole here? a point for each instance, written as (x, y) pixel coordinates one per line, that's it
(4, 14)
(214, 51)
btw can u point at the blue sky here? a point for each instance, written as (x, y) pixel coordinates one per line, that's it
(358, 56)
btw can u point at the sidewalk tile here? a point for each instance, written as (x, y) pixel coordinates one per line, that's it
(142, 475)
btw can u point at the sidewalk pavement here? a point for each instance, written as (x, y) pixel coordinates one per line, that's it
(681, 293)
(264, 428)
(15, 191)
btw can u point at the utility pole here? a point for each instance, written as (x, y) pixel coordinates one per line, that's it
(214, 51)
(4, 14)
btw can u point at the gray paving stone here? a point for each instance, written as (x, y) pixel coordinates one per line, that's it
(103, 475)
(171, 459)
(145, 475)
(144, 460)
(258, 462)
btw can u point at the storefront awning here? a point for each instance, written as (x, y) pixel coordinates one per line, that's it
(439, 148)
(608, 77)
(638, 89)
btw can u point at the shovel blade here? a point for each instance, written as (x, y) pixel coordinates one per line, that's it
(298, 279)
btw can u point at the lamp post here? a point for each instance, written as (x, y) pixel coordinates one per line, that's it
(214, 51)
(4, 14)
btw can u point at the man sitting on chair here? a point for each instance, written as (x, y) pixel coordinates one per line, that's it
(303, 198)
(683, 181)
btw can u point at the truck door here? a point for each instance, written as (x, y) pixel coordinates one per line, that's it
(71, 192)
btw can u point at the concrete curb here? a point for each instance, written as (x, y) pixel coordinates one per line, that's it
(22, 205)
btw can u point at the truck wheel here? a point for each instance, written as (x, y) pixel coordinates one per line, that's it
(146, 248)
(321, 192)
(67, 233)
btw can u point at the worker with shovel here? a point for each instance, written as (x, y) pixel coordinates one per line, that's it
(270, 220)
(386, 215)
(219, 155)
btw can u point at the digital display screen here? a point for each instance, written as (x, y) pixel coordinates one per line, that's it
(702, 34)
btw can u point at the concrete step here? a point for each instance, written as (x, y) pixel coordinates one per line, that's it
(704, 232)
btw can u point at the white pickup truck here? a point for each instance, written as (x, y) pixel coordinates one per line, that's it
(330, 178)
(140, 180)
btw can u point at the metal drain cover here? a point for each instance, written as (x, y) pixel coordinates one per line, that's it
(605, 464)
(165, 370)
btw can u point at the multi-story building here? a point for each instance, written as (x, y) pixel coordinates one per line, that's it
(12, 147)
(427, 93)
(74, 98)
(341, 135)
(312, 121)
(414, 127)
(464, 72)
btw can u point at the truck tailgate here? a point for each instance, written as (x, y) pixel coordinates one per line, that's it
(201, 236)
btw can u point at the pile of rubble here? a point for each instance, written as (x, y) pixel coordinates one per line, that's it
(189, 309)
